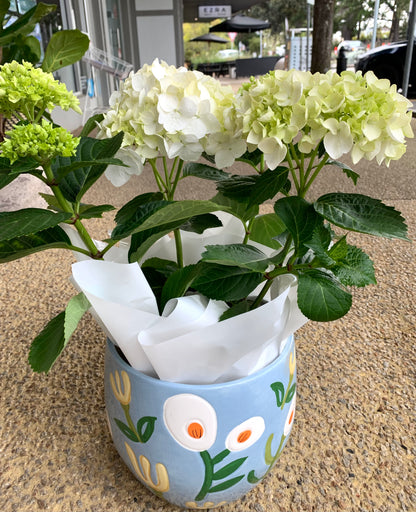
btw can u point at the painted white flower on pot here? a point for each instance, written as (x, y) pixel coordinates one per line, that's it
(191, 421)
(290, 417)
(245, 434)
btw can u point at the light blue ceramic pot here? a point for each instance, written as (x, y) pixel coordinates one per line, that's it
(201, 446)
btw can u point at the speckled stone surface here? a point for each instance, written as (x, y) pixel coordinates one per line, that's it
(353, 446)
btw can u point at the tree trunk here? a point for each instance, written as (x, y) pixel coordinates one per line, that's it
(323, 21)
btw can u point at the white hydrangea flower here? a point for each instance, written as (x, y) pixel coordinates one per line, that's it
(119, 175)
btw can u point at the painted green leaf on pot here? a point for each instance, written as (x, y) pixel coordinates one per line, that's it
(239, 255)
(321, 298)
(364, 214)
(279, 391)
(28, 221)
(127, 431)
(228, 469)
(227, 484)
(146, 427)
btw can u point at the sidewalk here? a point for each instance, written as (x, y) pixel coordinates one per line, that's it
(353, 445)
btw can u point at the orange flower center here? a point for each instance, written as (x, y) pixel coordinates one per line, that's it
(291, 417)
(195, 430)
(244, 436)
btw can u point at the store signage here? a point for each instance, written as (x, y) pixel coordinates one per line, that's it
(214, 11)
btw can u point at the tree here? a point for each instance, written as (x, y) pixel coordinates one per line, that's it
(323, 16)
(276, 11)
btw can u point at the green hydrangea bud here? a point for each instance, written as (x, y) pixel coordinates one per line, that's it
(40, 141)
(25, 90)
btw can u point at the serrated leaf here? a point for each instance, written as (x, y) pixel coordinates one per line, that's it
(91, 124)
(238, 187)
(204, 171)
(64, 48)
(141, 242)
(52, 238)
(178, 283)
(48, 345)
(321, 298)
(356, 269)
(237, 208)
(265, 228)
(339, 250)
(18, 167)
(239, 255)
(200, 223)
(347, 170)
(94, 212)
(299, 218)
(77, 182)
(364, 214)
(235, 310)
(319, 243)
(25, 24)
(268, 185)
(228, 469)
(28, 221)
(63, 171)
(252, 158)
(168, 214)
(226, 283)
(130, 208)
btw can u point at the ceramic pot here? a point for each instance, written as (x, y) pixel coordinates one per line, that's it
(200, 446)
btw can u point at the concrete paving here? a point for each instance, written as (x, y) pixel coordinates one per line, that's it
(353, 445)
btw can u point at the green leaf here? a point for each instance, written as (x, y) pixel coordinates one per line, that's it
(204, 171)
(319, 243)
(48, 345)
(63, 171)
(339, 250)
(200, 223)
(364, 214)
(157, 272)
(127, 431)
(267, 185)
(168, 214)
(235, 310)
(299, 218)
(228, 469)
(321, 298)
(226, 485)
(6, 179)
(88, 211)
(141, 214)
(141, 242)
(347, 170)
(265, 228)
(238, 187)
(224, 282)
(52, 238)
(28, 221)
(91, 124)
(279, 391)
(76, 183)
(356, 269)
(25, 24)
(239, 255)
(18, 167)
(237, 208)
(178, 283)
(65, 47)
(146, 427)
(252, 158)
(4, 7)
(128, 211)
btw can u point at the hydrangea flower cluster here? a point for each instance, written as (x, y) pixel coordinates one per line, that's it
(172, 112)
(28, 90)
(43, 142)
(350, 113)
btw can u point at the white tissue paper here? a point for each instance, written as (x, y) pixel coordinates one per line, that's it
(187, 343)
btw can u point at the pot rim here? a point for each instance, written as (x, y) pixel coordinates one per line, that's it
(207, 387)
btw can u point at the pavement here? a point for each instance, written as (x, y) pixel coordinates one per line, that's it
(353, 445)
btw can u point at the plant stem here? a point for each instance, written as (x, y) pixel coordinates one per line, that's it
(67, 207)
(315, 174)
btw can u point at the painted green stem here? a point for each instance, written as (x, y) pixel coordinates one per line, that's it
(209, 472)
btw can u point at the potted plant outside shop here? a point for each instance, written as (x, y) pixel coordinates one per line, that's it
(200, 299)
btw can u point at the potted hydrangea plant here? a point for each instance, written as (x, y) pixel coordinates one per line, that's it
(200, 298)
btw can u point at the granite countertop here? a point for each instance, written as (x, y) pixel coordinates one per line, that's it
(353, 446)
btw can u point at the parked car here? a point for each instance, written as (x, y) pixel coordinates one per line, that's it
(388, 62)
(227, 54)
(352, 49)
